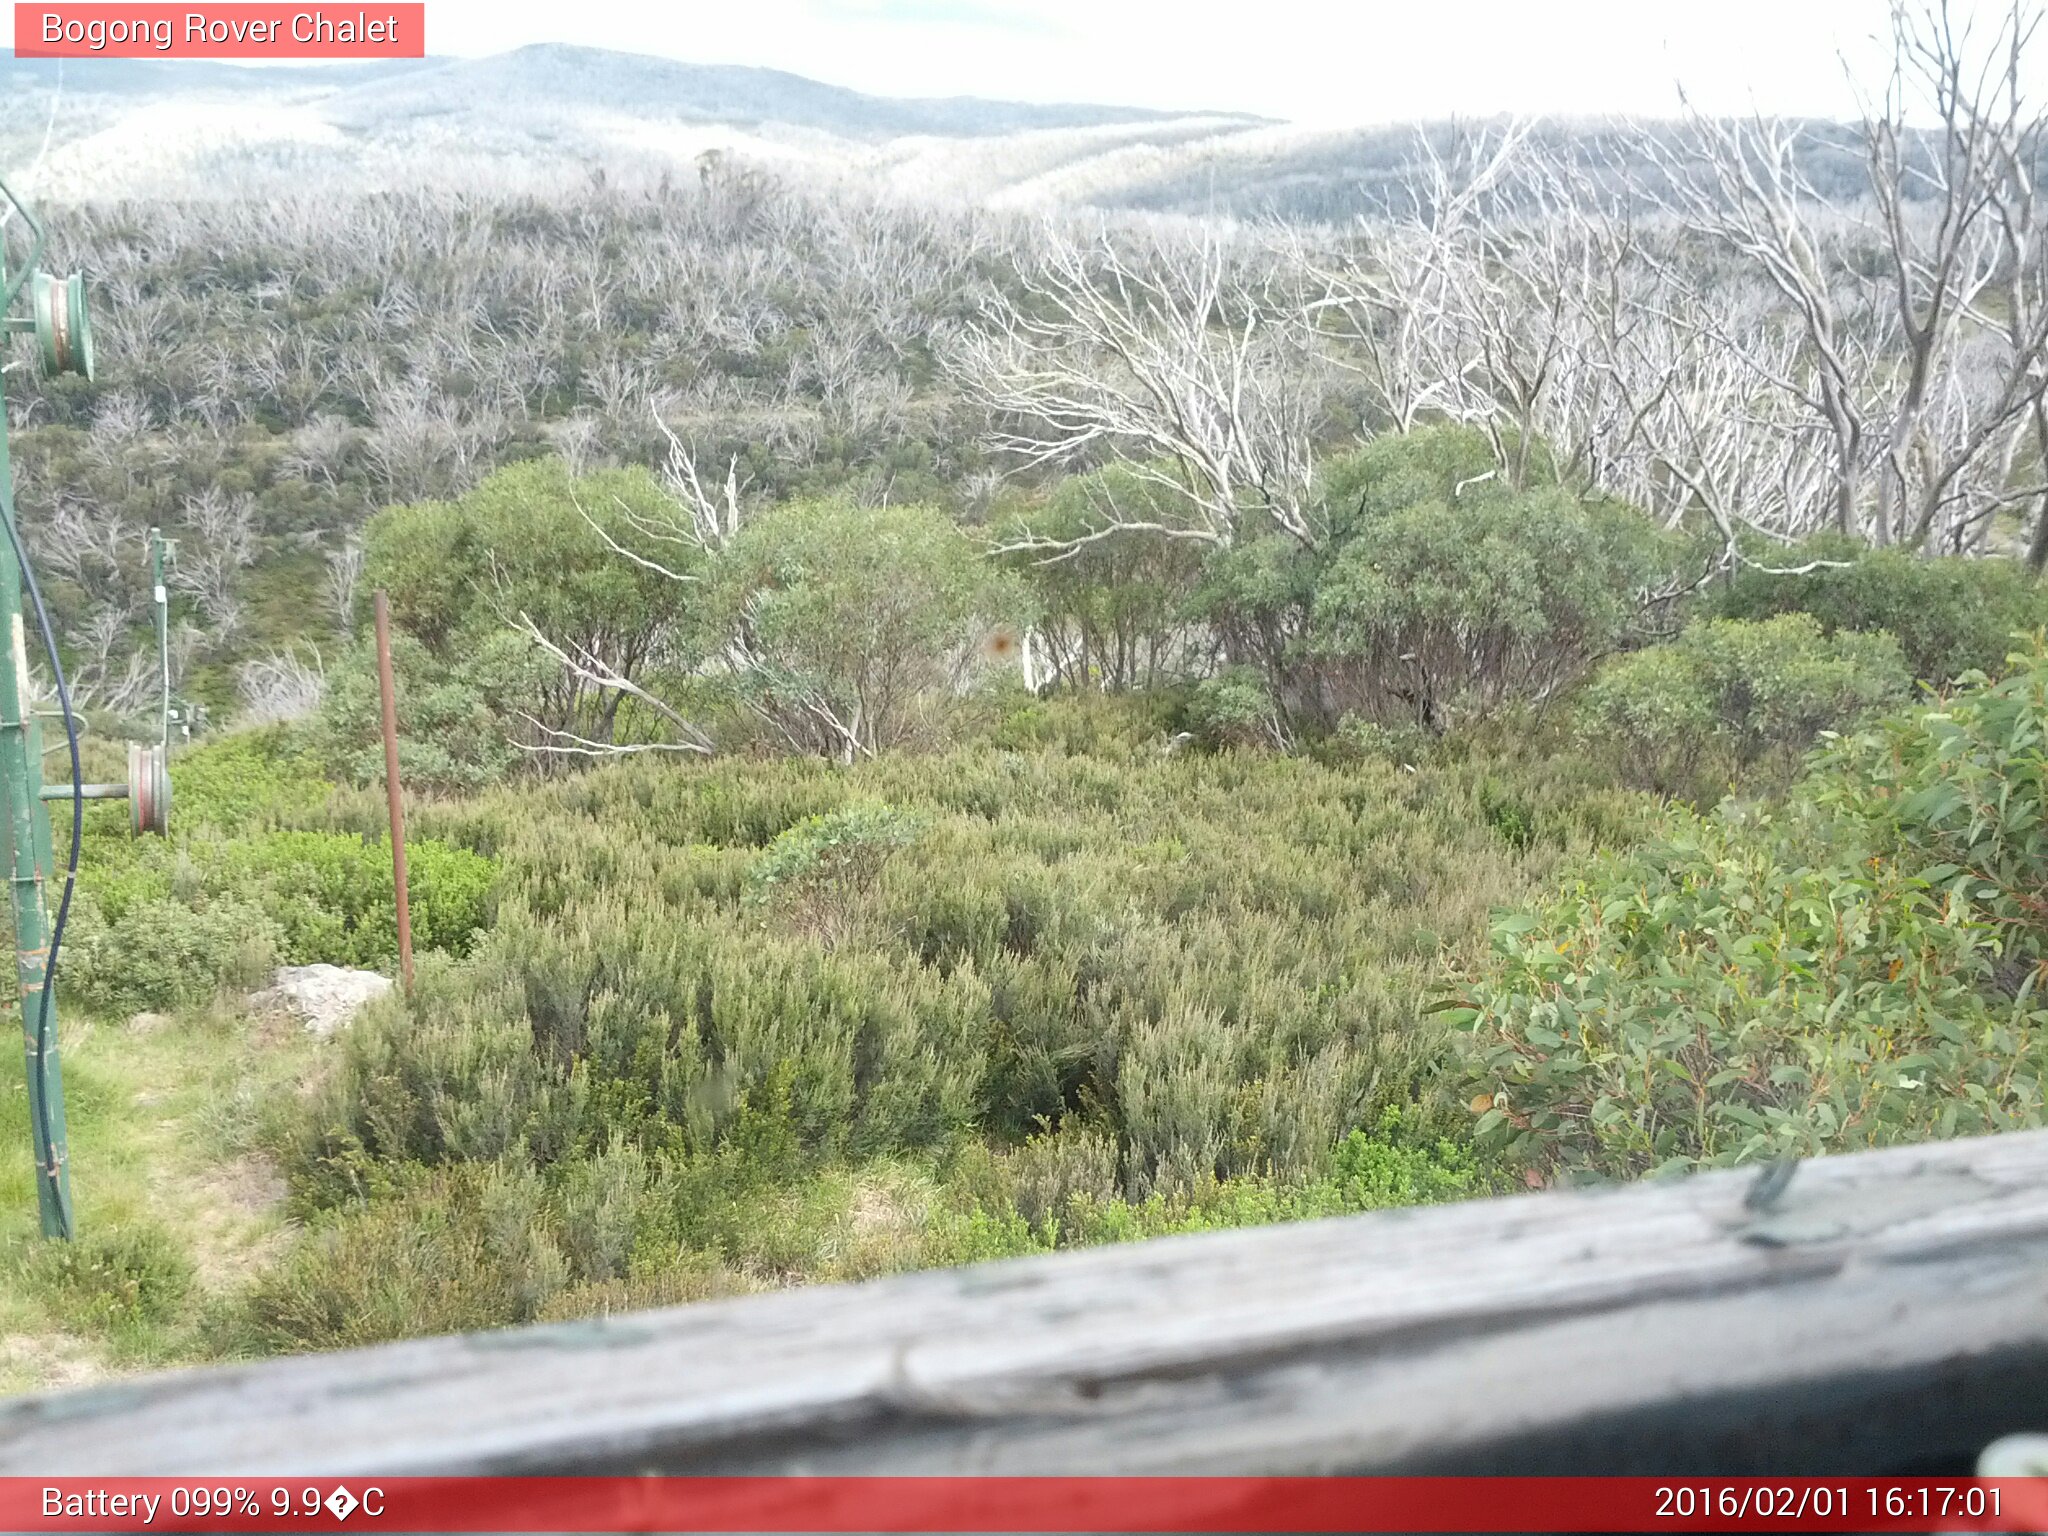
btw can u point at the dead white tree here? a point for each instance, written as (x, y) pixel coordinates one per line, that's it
(1182, 364)
(281, 686)
(1923, 335)
(218, 544)
(587, 668)
(344, 576)
(1390, 298)
(700, 521)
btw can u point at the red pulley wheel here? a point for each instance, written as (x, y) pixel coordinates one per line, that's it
(149, 790)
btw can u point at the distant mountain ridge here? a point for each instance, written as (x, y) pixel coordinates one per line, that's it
(143, 128)
(568, 75)
(169, 128)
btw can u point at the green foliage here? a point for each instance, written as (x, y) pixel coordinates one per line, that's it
(531, 543)
(859, 619)
(1056, 1191)
(1234, 708)
(120, 1278)
(1438, 593)
(1112, 611)
(529, 539)
(1957, 793)
(243, 884)
(1466, 603)
(840, 849)
(1855, 970)
(1136, 990)
(1950, 615)
(173, 923)
(331, 894)
(1730, 696)
(463, 1248)
(1084, 724)
(249, 779)
(458, 716)
(165, 951)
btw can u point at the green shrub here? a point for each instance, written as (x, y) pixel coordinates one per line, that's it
(1060, 1190)
(167, 925)
(332, 898)
(1957, 793)
(461, 1248)
(857, 620)
(1215, 958)
(119, 1278)
(1112, 611)
(1400, 1166)
(1950, 615)
(1051, 1171)
(164, 952)
(247, 780)
(1088, 724)
(1728, 696)
(1234, 709)
(842, 847)
(458, 715)
(532, 542)
(1857, 969)
(1438, 593)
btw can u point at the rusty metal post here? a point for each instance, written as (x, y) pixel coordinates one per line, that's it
(389, 689)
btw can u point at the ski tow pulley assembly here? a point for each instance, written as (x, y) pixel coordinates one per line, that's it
(63, 324)
(148, 790)
(59, 321)
(39, 886)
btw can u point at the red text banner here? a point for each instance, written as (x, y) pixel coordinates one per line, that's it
(1018, 1504)
(230, 31)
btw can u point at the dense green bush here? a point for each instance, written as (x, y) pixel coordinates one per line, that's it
(1113, 608)
(1235, 708)
(173, 923)
(1058, 1190)
(823, 856)
(1204, 967)
(461, 1248)
(1729, 696)
(1957, 793)
(331, 894)
(237, 887)
(1856, 969)
(119, 1278)
(247, 780)
(458, 716)
(1438, 593)
(1445, 608)
(1950, 615)
(858, 622)
(531, 544)
(165, 951)
(1111, 726)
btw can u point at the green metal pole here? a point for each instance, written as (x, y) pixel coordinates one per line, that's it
(162, 598)
(26, 850)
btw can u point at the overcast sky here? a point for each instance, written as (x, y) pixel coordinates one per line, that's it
(1318, 61)
(1335, 61)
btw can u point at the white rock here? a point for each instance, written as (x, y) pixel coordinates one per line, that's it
(323, 997)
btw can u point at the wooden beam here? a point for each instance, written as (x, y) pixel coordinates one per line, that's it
(1889, 1312)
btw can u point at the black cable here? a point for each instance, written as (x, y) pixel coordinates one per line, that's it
(47, 1165)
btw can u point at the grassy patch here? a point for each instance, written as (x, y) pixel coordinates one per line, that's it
(176, 1204)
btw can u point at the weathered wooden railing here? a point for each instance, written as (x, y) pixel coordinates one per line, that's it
(1887, 1313)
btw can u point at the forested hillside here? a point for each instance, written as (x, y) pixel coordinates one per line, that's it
(935, 734)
